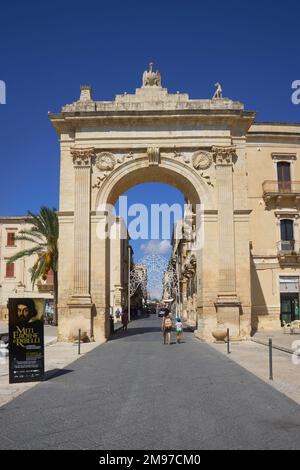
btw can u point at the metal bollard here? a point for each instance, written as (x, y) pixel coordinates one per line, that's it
(270, 360)
(228, 342)
(79, 336)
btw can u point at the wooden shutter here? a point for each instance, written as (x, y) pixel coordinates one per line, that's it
(11, 239)
(10, 269)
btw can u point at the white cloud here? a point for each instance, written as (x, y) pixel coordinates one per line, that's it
(156, 247)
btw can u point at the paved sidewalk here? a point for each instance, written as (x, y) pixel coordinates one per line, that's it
(254, 357)
(282, 341)
(57, 357)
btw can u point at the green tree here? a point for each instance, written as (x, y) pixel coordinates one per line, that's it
(43, 234)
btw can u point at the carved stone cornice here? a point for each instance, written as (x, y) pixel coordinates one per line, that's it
(82, 157)
(224, 155)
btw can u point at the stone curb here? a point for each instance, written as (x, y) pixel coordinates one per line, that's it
(116, 330)
(53, 341)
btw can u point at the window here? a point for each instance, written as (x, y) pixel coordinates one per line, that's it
(287, 234)
(11, 239)
(10, 269)
(284, 177)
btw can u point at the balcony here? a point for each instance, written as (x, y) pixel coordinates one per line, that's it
(288, 251)
(281, 191)
(46, 286)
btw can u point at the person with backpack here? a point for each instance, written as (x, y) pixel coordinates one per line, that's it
(179, 329)
(166, 327)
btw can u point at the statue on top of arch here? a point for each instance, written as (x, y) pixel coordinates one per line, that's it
(151, 78)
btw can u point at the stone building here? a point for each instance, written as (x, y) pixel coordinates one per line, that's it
(180, 280)
(273, 187)
(244, 175)
(139, 287)
(183, 260)
(15, 280)
(119, 265)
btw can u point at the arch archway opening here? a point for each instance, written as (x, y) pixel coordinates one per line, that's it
(151, 272)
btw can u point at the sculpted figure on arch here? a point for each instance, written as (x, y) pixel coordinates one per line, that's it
(151, 78)
(218, 92)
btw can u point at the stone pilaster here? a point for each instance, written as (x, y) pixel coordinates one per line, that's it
(227, 302)
(82, 160)
(183, 287)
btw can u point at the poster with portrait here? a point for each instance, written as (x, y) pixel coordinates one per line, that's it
(26, 340)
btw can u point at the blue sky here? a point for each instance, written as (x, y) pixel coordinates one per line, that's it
(47, 49)
(150, 195)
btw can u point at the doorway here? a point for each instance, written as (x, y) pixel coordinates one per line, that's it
(289, 307)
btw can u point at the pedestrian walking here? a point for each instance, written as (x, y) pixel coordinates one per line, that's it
(125, 319)
(166, 327)
(179, 329)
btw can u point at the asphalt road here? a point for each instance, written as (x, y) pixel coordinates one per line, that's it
(136, 393)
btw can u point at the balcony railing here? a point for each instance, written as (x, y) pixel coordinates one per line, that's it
(275, 189)
(288, 251)
(43, 288)
(288, 245)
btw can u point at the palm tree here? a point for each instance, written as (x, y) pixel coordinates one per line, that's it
(43, 233)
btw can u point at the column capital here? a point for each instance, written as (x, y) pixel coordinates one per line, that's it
(224, 155)
(82, 157)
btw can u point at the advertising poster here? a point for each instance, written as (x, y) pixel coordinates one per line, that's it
(26, 340)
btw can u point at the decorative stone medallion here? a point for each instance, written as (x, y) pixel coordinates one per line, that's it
(105, 161)
(202, 160)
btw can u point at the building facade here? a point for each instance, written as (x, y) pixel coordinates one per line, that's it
(138, 288)
(273, 198)
(15, 279)
(273, 166)
(243, 269)
(120, 257)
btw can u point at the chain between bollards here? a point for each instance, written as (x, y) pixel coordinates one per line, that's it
(228, 342)
(270, 360)
(79, 336)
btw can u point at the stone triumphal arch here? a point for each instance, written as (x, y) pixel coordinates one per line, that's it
(153, 136)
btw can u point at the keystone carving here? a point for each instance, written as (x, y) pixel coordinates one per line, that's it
(153, 155)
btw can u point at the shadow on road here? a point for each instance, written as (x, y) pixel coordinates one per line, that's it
(132, 331)
(140, 330)
(52, 374)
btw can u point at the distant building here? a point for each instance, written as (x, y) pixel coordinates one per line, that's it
(119, 265)
(182, 294)
(15, 278)
(139, 298)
